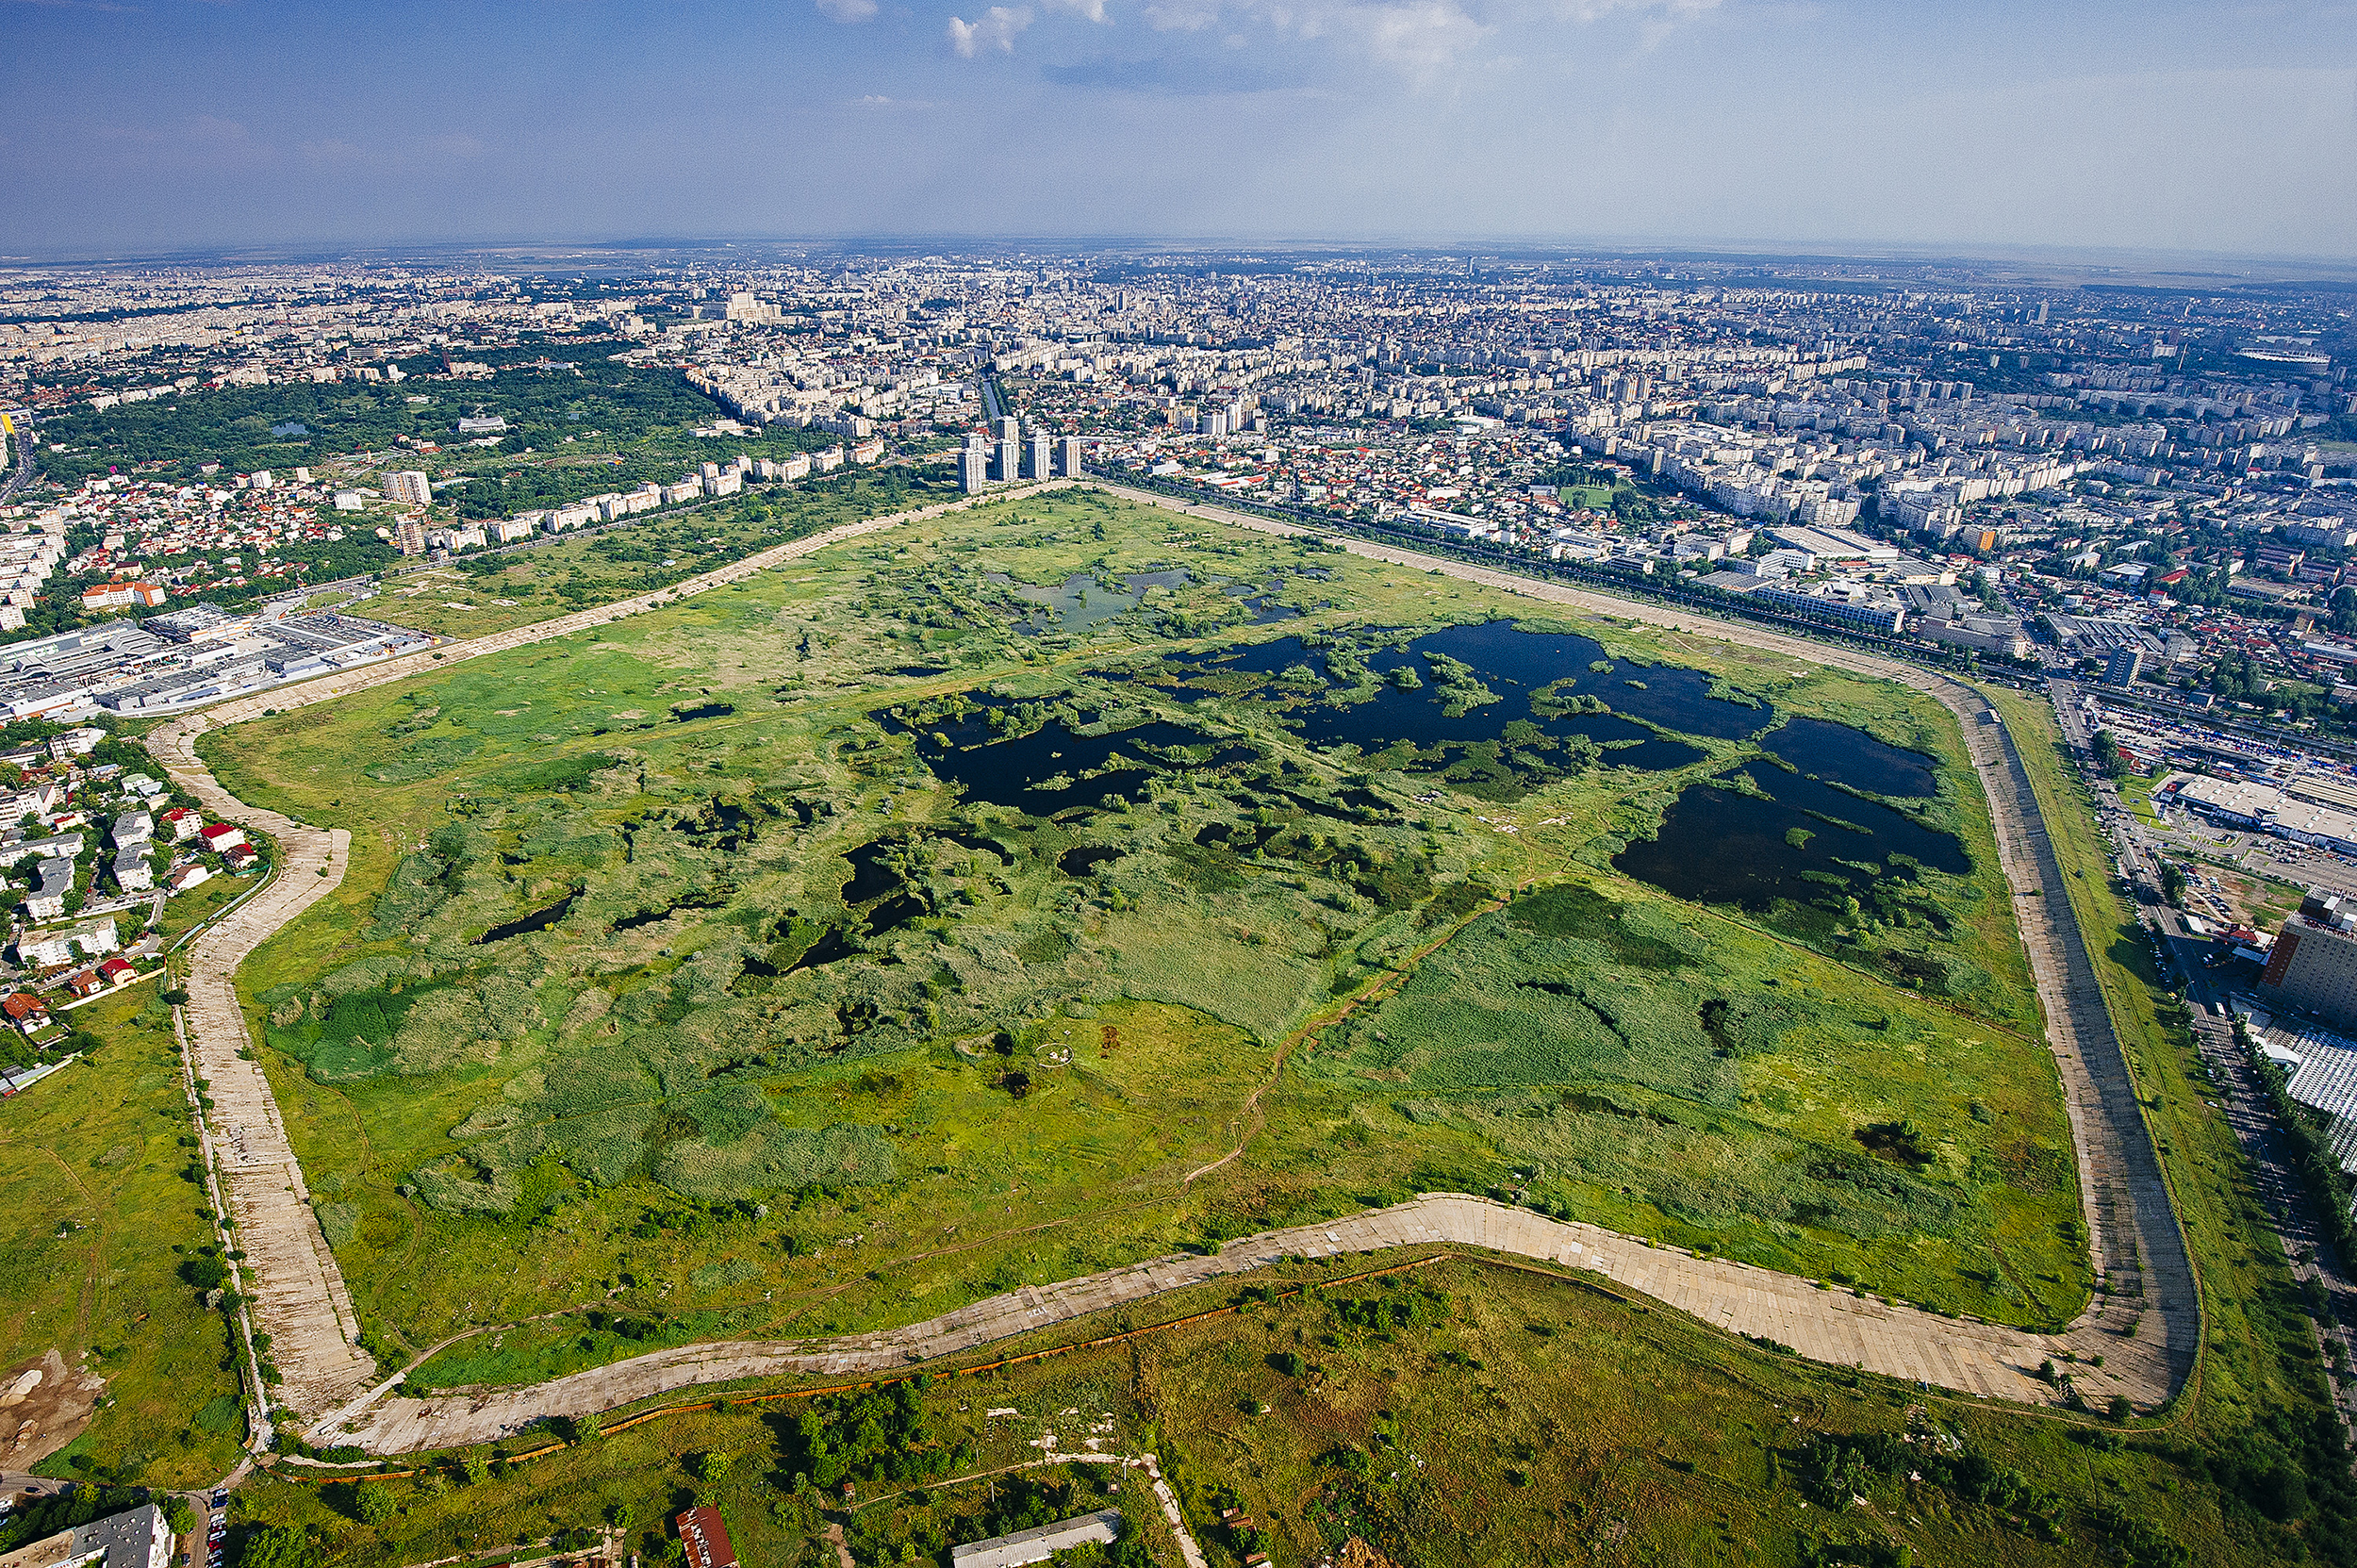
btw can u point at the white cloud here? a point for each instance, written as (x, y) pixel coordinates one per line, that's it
(1088, 11)
(848, 10)
(995, 29)
(1181, 16)
(1421, 35)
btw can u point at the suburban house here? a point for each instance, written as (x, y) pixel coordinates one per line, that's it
(183, 823)
(221, 837)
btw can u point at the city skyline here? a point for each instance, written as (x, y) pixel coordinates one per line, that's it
(1708, 123)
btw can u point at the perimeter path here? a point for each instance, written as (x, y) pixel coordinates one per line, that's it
(299, 1298)
(1824, 1325)
(2145, 1323)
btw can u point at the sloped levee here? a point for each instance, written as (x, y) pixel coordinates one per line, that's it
(1830, 1325)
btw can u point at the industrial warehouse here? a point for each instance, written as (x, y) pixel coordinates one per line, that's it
(192, 655)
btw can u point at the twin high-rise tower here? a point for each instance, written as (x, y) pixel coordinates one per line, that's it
(985, 462)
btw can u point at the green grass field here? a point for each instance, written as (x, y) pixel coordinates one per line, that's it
(100, 1217)
(620, 1112)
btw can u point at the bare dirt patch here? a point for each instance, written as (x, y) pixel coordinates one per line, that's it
(43, 1407)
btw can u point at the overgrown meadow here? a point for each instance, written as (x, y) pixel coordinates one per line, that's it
(941, 912)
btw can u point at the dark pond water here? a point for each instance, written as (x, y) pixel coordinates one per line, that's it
(1262, 603)
(539, 919)
(1511, 664)
(895, 913)
(648, 916)
(1081, 601)
(1717, 846)
(1084, 859)
(872, 875)
(703, 710)
(1852, 757)
(830, 948)
(1041, 773)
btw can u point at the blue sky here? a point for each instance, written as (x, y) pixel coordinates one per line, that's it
(142, 125)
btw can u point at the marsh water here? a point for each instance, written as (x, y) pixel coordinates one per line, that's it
(1081, 600)
(1411, 704)
(1788, 831)
(1799, 836)
(1851, 757)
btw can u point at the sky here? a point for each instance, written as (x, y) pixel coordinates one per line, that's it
(145, 126)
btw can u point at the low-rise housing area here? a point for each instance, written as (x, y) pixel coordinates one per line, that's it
(93, 866)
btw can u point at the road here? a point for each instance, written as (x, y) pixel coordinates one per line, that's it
(2146, 1325)
(2184, 958)
(21, 471)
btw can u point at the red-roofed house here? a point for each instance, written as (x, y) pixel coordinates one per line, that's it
(26, 1011)
(222, 836)
(183, 823)
(706, 1538)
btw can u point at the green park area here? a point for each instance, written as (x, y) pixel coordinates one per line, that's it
(1021, 893)
(578, 421)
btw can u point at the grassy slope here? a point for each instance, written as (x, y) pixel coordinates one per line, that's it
(99, 1218)
(1505, 1416)
(2259, 1356)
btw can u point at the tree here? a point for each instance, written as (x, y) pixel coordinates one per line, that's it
(177, 1513)
(371, 1503)
(278, 1546)
(474, 1469)
(709, 1467)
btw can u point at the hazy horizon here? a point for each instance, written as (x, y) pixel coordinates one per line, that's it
(1763, 126)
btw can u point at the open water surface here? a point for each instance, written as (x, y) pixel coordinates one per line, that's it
(1852, 757)
(1721, 846)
